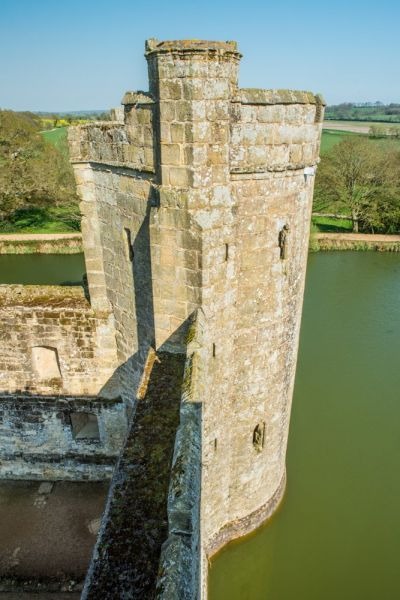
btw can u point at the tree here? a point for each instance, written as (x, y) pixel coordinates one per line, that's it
(362, 176)
(33, 173)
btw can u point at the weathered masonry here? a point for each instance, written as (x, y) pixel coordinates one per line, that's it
(60, 415)
(196, 204)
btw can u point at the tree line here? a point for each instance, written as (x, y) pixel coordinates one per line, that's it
(361, 177)
(347, 111)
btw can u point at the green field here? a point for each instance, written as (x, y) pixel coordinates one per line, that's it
(332, 137)
(57, 137)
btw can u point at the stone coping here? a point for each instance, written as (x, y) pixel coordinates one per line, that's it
(57, 402)
(48, 296)
(137, 97)
(99, 125)
(153, 46)
(260, 96)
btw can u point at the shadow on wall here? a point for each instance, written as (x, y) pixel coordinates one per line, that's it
(151, 507)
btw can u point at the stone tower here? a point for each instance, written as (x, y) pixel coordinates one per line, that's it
(197, 202)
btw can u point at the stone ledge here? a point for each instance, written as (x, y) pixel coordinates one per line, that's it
(60, 402)
(236, 173)
(260, 96)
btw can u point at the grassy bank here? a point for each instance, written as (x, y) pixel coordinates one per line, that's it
(57, 219)
(42, 244)
(330, 224)
(319, 242)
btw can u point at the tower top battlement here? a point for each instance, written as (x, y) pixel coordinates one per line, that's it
(153, 46)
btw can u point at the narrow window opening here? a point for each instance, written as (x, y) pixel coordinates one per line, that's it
(84, 426)
(129, 246)
(259, 436)
(213, 350)
(283, 241)
(226, 252)
(215, 444)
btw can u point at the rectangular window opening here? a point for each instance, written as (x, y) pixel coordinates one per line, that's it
(84, 426)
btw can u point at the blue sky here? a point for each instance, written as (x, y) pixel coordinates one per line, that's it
(76, 55)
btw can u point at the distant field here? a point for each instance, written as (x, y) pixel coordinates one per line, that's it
(357, 126)
(331, 138)
(57, 136)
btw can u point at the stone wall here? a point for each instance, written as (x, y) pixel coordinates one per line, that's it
(38, 439)
(218, 224)
(52, 342)
(60, 412)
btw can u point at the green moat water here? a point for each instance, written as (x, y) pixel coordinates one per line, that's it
(42, 269)
(337, 533)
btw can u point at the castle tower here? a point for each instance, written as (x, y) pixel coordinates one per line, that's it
(210, 188)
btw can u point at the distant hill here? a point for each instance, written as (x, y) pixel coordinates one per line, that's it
(348, 111)
(76, 113)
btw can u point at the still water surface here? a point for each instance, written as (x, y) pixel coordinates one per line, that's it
(42, 269)
(337, 533)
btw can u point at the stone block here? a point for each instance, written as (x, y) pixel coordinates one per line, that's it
(183, 109)
(177, 132)
(170, 89)
(180, 177)
(167, 111)
(170, 154)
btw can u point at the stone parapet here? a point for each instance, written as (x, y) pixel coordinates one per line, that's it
(37, 437)
(52, 342)
(260, 96)
(116, 144)
(179, 570)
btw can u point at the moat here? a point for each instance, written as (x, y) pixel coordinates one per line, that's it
(337, 533)
(42, 269)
